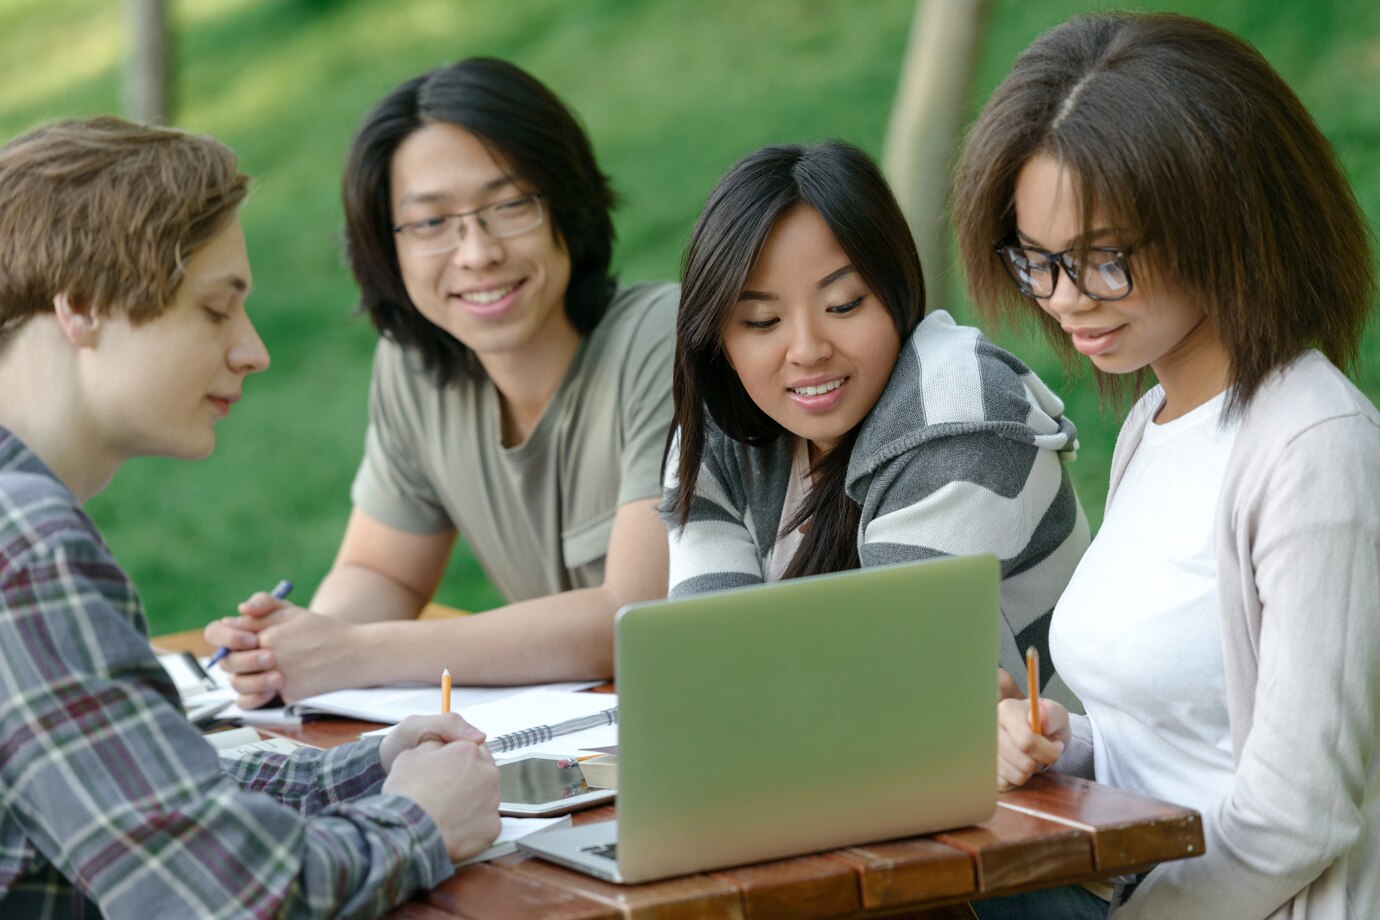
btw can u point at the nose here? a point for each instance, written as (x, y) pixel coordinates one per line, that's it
(1066, 298)
(476, 249)
(808, 345)
(248, 354)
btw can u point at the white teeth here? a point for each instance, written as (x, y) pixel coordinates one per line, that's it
(819, 390)
(489, 296)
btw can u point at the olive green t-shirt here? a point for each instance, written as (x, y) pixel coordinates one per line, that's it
(537, 516)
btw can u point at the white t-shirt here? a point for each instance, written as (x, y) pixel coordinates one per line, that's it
(1137, 634)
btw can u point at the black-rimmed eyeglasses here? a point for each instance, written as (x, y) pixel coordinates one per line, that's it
(1101, 272)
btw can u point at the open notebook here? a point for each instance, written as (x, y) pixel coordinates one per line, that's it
(520, 712)
(204, 690)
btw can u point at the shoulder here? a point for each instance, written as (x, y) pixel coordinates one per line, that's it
(1307, 393)
(949, 381)
(1308, 422)
(39, 518)
(638, 317)
(400, 368)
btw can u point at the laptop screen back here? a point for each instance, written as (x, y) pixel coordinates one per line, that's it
(806, 715)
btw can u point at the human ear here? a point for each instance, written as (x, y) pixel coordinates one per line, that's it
(81, 327)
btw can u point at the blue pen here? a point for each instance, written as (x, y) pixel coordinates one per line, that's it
(280, 592)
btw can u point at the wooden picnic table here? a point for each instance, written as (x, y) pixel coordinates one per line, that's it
(1055, 830)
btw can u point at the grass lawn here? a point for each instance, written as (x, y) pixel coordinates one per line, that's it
(671, 91)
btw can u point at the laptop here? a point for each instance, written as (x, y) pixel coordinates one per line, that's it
(795, 717)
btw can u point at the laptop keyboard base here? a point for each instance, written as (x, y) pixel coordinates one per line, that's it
(606, 850)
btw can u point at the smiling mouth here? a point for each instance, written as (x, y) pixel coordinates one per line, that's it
(819, 390)
(492, 295)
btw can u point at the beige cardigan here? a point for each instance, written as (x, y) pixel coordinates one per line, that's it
(1298, 580)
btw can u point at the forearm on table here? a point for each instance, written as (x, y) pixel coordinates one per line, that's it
(567, 636)
(358, 594)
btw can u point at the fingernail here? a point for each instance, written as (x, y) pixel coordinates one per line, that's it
(265, 660)
(275, 681)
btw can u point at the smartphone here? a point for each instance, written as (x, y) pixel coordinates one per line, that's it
(536, 786)
(187, 673)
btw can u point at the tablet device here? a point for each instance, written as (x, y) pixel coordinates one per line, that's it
(541, 785)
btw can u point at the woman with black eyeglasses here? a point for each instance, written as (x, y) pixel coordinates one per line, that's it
(1165, 203)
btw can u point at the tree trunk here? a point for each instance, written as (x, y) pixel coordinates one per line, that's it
(148, 81)
(926, 122)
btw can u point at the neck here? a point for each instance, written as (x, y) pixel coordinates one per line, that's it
(527, 378)
(40, 401)
(1193, 372)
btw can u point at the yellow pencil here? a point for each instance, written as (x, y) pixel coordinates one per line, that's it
(445, 690)
(1032, 677)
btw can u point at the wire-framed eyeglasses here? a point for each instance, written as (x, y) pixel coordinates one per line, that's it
(445, 232)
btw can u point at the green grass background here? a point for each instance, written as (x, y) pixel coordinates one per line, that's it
(671, 91)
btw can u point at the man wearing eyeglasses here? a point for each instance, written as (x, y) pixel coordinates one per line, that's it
(521, 397)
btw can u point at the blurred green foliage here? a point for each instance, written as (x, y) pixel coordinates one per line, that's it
(672, 91)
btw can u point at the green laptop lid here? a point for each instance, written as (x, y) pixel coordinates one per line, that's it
(807, 714)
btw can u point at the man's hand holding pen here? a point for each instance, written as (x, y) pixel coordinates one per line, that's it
(272, 639)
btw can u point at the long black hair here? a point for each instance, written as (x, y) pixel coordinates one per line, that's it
(529, 130)
(848, 190)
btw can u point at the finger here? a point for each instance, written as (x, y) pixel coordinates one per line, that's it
(1013, 718)
(261, 604)
(1053, 718)
(252, 625)
(425, 748)
(1020, 762)
(255, 661)
(1006, 686)
(253, 700)
(444, 727)
(227, 632)
(1009, 775)
(258, 683)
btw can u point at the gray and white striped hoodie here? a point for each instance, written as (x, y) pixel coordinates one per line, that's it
(963, 453)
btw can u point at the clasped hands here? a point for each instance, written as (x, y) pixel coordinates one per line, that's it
(280, 649)
(441, 763)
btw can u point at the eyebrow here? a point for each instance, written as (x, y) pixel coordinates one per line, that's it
(1083, 239)
(492, 185)
(237, 283)
(823, 283)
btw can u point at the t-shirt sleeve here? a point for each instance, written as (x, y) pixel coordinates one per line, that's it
(392, 484)
(646, 396)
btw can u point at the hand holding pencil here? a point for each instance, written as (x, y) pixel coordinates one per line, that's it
(1031, 732)
(441, 762)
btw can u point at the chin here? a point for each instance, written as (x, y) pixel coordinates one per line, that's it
(1109, 364)
(191, 448)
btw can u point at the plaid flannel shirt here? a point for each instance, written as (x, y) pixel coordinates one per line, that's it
(111, 804)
